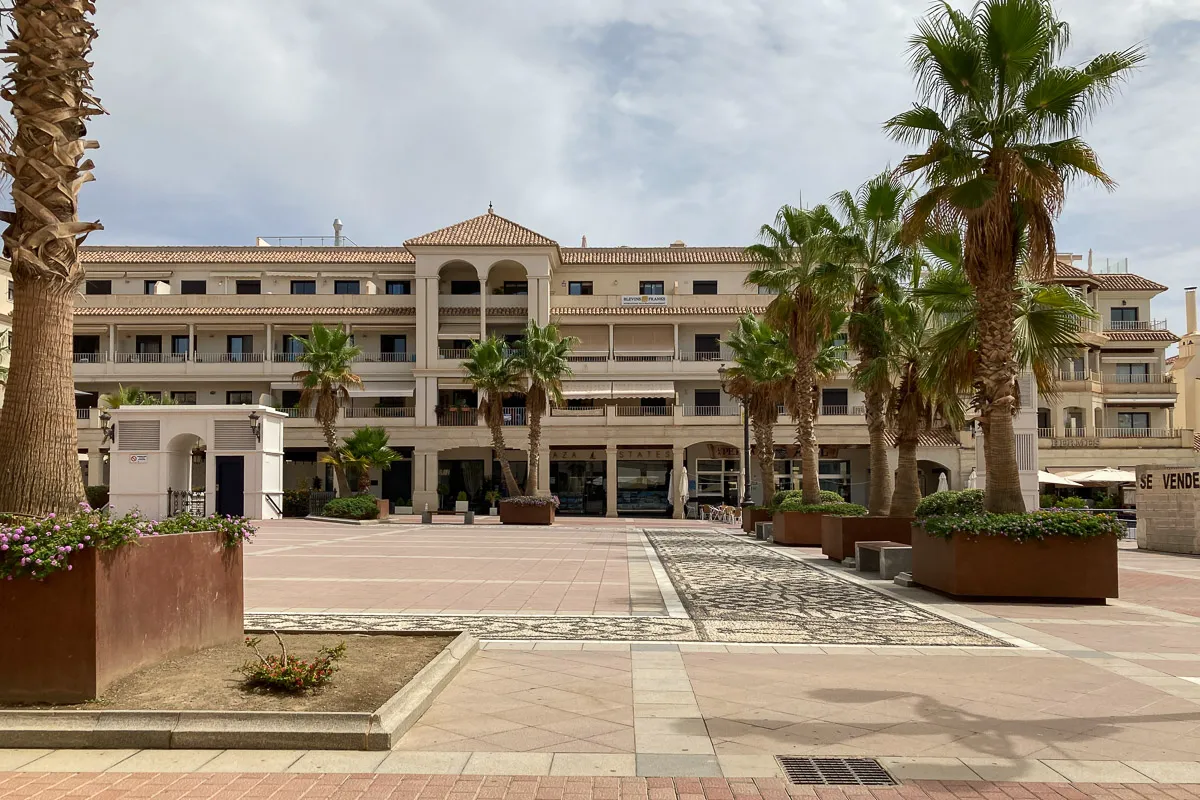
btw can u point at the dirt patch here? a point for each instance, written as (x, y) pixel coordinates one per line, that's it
(375, 667)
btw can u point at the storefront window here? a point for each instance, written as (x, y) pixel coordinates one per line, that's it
(718, 480)
(833, 476)
(580, 487)
(642, 486)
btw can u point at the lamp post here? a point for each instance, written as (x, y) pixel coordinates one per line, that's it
(746, 499)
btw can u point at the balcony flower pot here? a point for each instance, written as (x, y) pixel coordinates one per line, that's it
(796, 528)
(527, 511)
(115, 612)
(1057, 567)
(840, 534)
(753, 515)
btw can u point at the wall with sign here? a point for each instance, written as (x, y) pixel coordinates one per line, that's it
(1168, 508)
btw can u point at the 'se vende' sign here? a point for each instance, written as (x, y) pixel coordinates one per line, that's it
(1169, 479)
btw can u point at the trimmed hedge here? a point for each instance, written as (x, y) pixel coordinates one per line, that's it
(1034, 526)
(963, 503)
(826, 497)
(839, 509)
(359, 506)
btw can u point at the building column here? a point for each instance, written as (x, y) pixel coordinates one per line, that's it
(191, 348)
(610, 480)
(95, 467)
(675, 331)
(1171, 417)
(482, 309)
(677, 464)
(269, 352)
(544, 472)
(112, 343)
(611, 351)
(424, 481)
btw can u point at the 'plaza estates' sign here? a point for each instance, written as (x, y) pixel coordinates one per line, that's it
(1168, 508)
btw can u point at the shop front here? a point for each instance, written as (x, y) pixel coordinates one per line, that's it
(578, 477)
(833, 473)
(644, 482)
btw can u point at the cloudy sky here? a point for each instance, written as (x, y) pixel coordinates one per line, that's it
(630, 121)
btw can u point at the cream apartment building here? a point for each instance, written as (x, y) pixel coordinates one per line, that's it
(221, 325)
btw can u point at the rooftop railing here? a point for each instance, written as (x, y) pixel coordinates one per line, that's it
(1135, 325)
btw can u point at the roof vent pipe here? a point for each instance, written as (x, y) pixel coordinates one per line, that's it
(1190, 299)
(337, 233)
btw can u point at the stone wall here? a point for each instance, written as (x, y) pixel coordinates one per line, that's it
(1168, 508)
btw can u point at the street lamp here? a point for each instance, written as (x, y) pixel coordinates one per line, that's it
(746, 500)
(108, 427)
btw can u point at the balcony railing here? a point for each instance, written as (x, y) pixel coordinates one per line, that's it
(1135, 325)
(90, 358)
(720, 354)
(595, 411)
(643, 357)
(1135, 378)
(1077, 375)
(588, 356)
(229, 358)
(711, 411)
(382, 412)
(835, 411)
(1137, 433)
(1045, 433)
(447, 354)
(296, 413)
(83, 413)
(150, 358)
(645, 411)
(458, 419)
(286, 358)
(515, 416)
(387, 357)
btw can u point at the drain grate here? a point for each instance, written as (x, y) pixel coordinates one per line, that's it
(832, 771)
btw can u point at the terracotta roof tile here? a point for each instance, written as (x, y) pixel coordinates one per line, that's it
(197, 311)
(468, 311)
(1066, 272)
(939, 438)
(583, 311)
(245, 255)
(655, 255)
(1141, 336)
(1196, 442)
(486, 230)
(1124, 281)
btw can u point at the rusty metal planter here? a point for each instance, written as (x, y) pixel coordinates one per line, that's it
(753, 515)
(796, 528)
(68, 637)
(840, 534)
(517, 514)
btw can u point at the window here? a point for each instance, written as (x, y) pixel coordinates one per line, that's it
(97, 287)
(179, 344)
(1133, 420)
(239, 398)
(156, 396)
(393, 347)
(193, 287)
(651, 287)
(766, 290)
(304, 287)
(10, 291)
(708, 347)
(704, 287)
(515, 287)
(718, 479)
(184, 398)
(345, 287)
(398, 287)
(151, 286)
(464, 287)
(835, 401)
(1133, 373)
(1123, 314)
(148, 345)
(289, 398)
(249, 287)
(239, 348)
(579, 287)
(86, 348)
(293, 347)
(708, 402)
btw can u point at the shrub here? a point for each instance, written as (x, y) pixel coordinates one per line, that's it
(97, 496)
(840, 508)
(462, 497)
(1071, 502)
(1047, 501)
(296, 502)
(532, 500)
(359, 506)
(1026, 527)
(826, 497)
(36, 548)
(957, 503)
(286, 673)
(1108, 501)
(492, 496)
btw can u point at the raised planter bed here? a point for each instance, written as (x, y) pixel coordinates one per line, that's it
(521, 514)
(840, 534)
(1057, 567)
(753, 515)
(797, 528)
(68, 637)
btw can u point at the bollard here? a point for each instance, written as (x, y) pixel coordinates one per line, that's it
(426, 516)
(469, 518)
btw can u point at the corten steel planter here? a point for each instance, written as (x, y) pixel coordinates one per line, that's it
(515, 514)
(1058, 567)
(385, 508)
(796, 528)
(68, 637)
(753, 515)
(839, 534)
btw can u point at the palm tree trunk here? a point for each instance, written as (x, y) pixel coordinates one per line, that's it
(998, 369)
(908, 488)
(764, 440)
(535, 456)
(40, 473)
(806, 437)
(880, 500)
(340, 484)
(495, 420)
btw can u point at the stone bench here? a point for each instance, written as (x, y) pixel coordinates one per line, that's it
(889, 559)
(762, 530)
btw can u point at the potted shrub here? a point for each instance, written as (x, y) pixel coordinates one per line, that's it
(528, 510)
(443, 490)
(461, 504)
(1050, 554)
(404, 506)
(493, 497)
(795, 523)
(359, 507)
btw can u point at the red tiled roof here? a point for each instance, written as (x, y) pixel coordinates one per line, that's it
(1065, 272)
(656, 255)
(581, 311)
(245, 255)
(1124, 281)
(938, 438)
(1196, 442)
(197, 311)
(468, 311)
(486, 230)
(1141, 336)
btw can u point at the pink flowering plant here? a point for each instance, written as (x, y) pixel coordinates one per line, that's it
(35, 548)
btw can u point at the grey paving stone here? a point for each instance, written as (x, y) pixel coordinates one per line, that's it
(337, 761)
(424, 763)
(658, 765)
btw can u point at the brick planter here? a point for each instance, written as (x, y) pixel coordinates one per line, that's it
(515, 514)
(1058, 567)
(797, 528)
(753, 515)
(117, 611)
(839, 534)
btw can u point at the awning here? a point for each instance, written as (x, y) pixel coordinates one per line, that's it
(1140, 401)
(643, 389)
(1055, 480)
(1105, 475)
(454, 383)
(592, 389)
(385, 389)
(452, 330)
(286, 386)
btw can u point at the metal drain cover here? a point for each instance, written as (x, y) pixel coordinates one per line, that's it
(833, 771)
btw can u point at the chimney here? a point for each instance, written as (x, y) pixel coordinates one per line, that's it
(1089, 259)
(583, 243)
(1189, 300)
(337, 233)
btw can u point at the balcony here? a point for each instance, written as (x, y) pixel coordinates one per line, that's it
(712, 411)
(1135, 325)
(1114, 437)
(677, 303)
(645, 411)
(642, 357)
(514, 417)
(449, 354)
(381, 412)
(294, 304)
(227, 358)
(1137, 433)
(458, 419)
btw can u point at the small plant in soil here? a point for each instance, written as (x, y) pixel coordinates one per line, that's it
(287, 674)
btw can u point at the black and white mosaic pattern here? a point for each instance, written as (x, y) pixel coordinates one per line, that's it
(733, 591)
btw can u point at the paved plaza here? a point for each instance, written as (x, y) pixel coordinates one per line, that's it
(628, 650)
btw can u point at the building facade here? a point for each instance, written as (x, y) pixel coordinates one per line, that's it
(212, 325)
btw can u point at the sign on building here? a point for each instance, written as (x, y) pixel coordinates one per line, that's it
(643, 299)
(1168, 509)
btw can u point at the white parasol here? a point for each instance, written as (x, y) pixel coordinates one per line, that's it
(972, 479)
(943, 483)
(683, 486)
(1050, 479)
(1106, 475)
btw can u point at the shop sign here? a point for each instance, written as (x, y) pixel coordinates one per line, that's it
(643, 299)
(577, 455)
(623, 454)
(722, 451)
(644, 454)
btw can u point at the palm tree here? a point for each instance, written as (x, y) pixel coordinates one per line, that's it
(540, 357)
(365, 449)
(761, 378)
(494, 375)
(325, 385)
(134, 396)
(999, 120)
(49, 89)
(792, 256)
(874, 258)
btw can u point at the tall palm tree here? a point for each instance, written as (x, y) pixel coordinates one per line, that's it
(364, 450)
(874, 259)
(999, 119)
(494, 376)
(792, 255)
(761, 378)
(325, 385)
(134, 396)
(49, 89)
(540, 356)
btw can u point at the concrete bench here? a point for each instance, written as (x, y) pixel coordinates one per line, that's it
(889, 559)
(762, 530)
